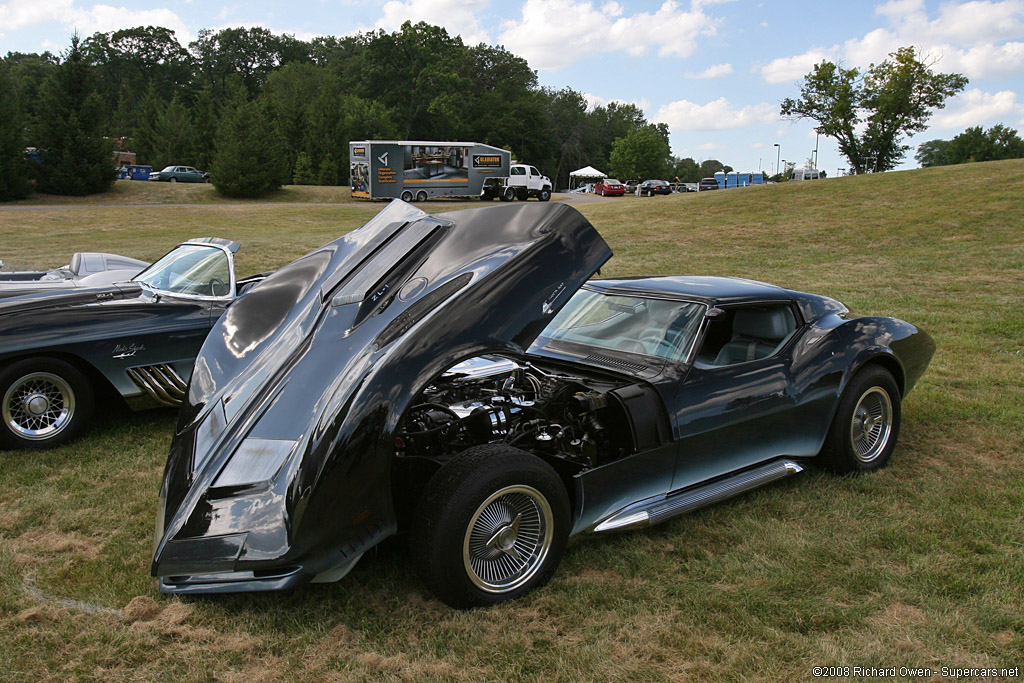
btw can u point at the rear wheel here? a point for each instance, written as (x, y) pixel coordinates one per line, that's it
(407, 196)
(173, 180)
(46, 403)
(867, 423)
(508, 195)
(421, 196)
(492, 526)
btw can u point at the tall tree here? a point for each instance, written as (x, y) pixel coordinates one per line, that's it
(932, 153)
(869, 114)
(248, 161)
(14, 183)
(641, 154)
(977, 144)
(75, 156)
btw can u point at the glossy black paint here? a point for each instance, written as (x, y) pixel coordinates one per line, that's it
(108, 331)
(327, 354)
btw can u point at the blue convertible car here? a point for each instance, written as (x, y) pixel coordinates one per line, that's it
(462, 377)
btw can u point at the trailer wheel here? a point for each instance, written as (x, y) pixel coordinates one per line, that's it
(407, 196)
(508, 195)
(421, 196)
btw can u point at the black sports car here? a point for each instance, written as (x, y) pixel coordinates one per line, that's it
(136, 338)
(649, 188)
(461, 377)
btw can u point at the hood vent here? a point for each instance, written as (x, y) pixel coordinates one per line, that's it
(616, 362)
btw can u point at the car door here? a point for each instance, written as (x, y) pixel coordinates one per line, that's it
(736, 406)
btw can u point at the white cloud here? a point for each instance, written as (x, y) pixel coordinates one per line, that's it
(708, 146)
(595, 101)
(977, 108)
(715, 115)
(552, 34)
(980, 39)
(458, 17)
(17, 14)
(104, 18)
(786, 69)
(715, 71)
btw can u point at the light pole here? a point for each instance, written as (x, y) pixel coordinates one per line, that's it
(781, 173)
(778, 151)
(817, 132)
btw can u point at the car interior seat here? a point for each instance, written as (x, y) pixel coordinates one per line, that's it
(756, 333)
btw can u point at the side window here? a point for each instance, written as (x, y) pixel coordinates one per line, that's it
(746, 333)
(518, 170)
(534, 171)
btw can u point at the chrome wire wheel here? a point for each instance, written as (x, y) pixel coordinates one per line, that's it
(871, 425)
(508, 538)
(38, 406)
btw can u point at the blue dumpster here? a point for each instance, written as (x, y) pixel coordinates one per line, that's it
(136, 172)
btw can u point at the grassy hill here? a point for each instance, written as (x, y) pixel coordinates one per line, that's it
(918, 565)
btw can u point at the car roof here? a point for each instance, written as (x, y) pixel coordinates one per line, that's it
(704, 288)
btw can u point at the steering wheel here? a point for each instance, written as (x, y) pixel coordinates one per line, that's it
(218, 287)
(657, 341)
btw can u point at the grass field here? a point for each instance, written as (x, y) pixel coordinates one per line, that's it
(918, 565)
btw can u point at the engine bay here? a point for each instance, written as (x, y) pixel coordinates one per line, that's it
(583, 421)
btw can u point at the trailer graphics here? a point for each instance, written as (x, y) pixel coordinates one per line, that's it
(418, 170)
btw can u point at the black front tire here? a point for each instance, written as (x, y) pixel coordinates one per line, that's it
(492, 527)
(545, 195)
(46, 403)
(866, 425)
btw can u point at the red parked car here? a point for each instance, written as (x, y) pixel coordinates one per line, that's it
(610, 187)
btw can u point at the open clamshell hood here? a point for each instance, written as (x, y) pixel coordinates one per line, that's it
(327, 354)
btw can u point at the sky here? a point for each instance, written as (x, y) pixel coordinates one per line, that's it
(715, 71)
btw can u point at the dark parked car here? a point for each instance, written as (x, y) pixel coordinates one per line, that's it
(138, 339)
(458, 376)
(707, 184)
(86, 269)
(650, 188)
(180, 174)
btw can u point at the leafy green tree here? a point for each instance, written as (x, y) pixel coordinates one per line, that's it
(641, 154)
(869, 114)
(173, 144)
(686, 169)
(932, 153)
(27, 73)
(248, 162)
(14, 182)
(304, 174)
(328, 174)
(144, 136)
(710, 167)
(76, 158)
(976, 144)
(129, 62)
(205, 119)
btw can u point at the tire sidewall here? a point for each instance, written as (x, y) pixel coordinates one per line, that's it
(839, 454)
(80, 388)
(455, 494)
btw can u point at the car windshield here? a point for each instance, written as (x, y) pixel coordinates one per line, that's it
(192, 269)
(168, 169)
(652, 327)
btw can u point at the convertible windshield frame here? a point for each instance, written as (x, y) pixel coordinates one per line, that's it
(620, 321)
(164, 262)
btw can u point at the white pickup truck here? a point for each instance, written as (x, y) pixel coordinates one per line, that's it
(522, 182)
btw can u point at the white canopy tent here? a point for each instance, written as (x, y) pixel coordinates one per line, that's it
(588, 173)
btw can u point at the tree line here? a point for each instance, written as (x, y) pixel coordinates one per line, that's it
(260, 110)
(974, 144)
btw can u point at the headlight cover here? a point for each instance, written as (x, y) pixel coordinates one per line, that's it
(255, 461)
